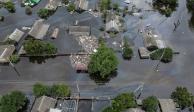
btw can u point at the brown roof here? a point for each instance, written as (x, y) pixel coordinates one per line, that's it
(16, 35)
(43, 104)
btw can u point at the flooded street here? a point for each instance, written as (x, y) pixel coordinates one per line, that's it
(130, 73)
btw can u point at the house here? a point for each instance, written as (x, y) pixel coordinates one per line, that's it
(152, 40)
(53, 4)
(16, 35)
(167, 105)
(44, 104)
(5, 52)
(81, 4)
(134, 110)
(79, 30)
(39, 29)
(144, 53)
(112, 26)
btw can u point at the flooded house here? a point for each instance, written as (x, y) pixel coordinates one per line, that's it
(16, 36)
(112, 26)
(5, 52)
(134, 110)
(44, 104)
(79, 30)
(39, 29)
(143, 53)
(81, 5)
(152, 40)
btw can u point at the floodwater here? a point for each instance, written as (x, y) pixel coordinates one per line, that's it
(130, 73)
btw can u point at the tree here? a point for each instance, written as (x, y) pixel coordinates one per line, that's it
(124, 101)
(40, 90)
(12, 102)
(10, 6)
(43, 13)
(183, 97)
(102, 63)
(127, 51)
(150, 104)
(115, 6)
(37, 47)
(71, 8)
(121, 103)
(60, 90)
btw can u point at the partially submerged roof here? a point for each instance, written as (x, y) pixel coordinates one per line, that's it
(167, 105)
(43, 104)
(39, 29)
(16, 35)
(144, 53)
(112, 26)
(79, 30)
(53, 4)
(81, 4)
(5, 52)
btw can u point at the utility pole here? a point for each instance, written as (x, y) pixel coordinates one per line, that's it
(78, 96)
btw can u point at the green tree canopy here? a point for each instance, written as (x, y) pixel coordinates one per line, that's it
(38, 47)
(10, 6)
(105, 5)
(121, 103)
(127, 51)
(12, 102)
(102, 63)
(60, 90)
(150, 104)
(44, 13)
(71, 7)
(183, 97)
(40, 90)
(166, 55)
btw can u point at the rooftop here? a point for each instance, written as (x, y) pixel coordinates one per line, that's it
(167, 105)
(43, 104)
(5, 52)
(81, 4)
(16, 35)
(79, 30)
(39, 29)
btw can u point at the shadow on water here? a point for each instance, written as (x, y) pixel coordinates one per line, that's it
(191, 22)
(103, 81)
(40, 59)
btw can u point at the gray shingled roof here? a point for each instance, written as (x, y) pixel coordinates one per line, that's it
(16, 35)
(5, 52)
(39, 29)
(43, 104)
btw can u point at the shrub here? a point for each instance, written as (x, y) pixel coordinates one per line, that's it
(127, 51)
(150, 104)
(60, 90)
(38, 47)
(40, 90)
(166, 52)
(71, 8)
(65, 2)
(14, 58)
